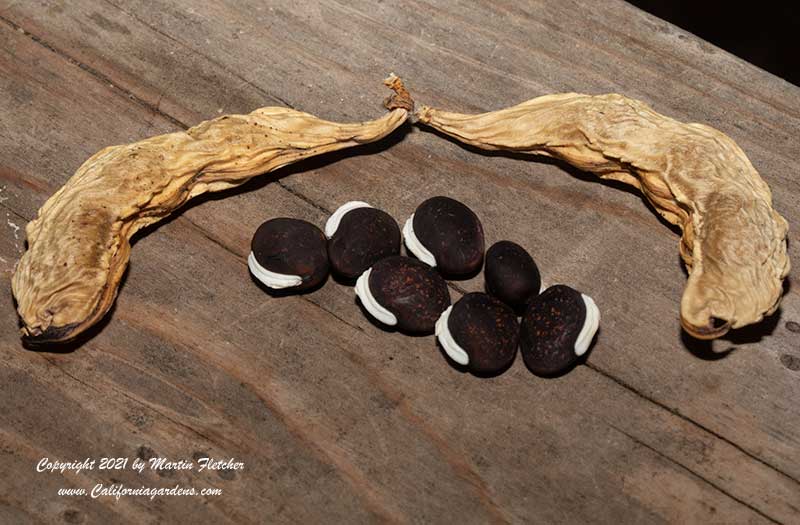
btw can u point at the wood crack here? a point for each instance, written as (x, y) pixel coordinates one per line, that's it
(304, 198)
(71, 376)
(143, 404)
(689, 420)
(692, 473)
(203, 55)
(525, 81)
(215, 240)
(460, 466)
(333, 314)
(162, 414)
(92, 71)
(13, 212)
(786, 110)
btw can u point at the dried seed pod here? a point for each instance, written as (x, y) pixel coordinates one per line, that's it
(446, 234)
(511, 274)
(733, 243)
(78, 246)
(557, 329)
(403, 292)
(289, 254)
(359, 236)
(479, 332)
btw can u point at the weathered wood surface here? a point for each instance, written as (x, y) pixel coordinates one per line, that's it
(334, 419)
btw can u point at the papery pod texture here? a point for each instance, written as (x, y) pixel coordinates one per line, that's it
(733, 242)
(79, 244)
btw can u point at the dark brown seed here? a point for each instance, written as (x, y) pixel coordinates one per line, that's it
(292, 247)
(411, 290)
(550, 328)
(364, 237)
(487, 330)
(452, 233)
(511, 274)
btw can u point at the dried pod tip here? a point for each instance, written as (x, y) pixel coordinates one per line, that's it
(716, 328)
(401, 99)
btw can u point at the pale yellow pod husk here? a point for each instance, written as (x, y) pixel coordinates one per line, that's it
(79, 244)
(733, 242)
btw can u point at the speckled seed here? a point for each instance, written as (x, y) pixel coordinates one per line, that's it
(511, 274)
(450, 232)
(289, 254)
(557, 328)
(364, 236)
(485, 329)
(411, 290)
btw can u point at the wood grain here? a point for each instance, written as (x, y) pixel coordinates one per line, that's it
(335, 419)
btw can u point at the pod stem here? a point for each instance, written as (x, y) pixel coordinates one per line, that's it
(401, 98)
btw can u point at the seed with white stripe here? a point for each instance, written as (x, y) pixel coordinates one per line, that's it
(406, 292)
(358, 237)
(446, 234)
(289, 254)
(480, 332)
(557, 328)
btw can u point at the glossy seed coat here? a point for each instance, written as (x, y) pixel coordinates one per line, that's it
(452, 233)
(364, 237)
(292, 247)
(511, 274)
(414, 292)
(487, 330)
(550, 328)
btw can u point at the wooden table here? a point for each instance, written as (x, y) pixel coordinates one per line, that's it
(335, 420)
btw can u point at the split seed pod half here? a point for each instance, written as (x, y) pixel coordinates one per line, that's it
(79, 244)
(733, 242)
